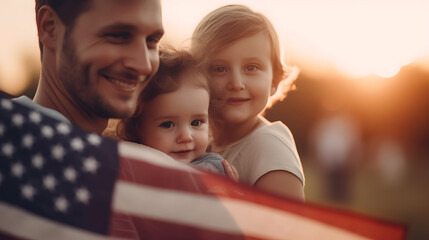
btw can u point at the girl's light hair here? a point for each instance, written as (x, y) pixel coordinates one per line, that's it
(284, 86)
(227, 24)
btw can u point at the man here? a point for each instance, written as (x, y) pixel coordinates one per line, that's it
(97, 56)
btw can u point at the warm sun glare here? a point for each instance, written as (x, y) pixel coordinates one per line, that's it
(358, 38)
(367, 37)
(18, 44)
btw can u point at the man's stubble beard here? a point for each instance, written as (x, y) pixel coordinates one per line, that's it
(75, 77)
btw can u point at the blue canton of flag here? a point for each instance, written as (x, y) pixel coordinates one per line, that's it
(76, 186)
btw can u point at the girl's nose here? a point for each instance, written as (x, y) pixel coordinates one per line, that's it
(236, 82)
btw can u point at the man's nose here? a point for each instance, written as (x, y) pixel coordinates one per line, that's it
(140, 58)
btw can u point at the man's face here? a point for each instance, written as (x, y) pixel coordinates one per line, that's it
(108, 56)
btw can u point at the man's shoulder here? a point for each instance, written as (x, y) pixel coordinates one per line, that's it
(24, 100)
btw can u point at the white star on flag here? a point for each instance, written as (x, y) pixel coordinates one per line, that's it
(8, 149)
(94, 139)
(17, 170)
(58, 152)
(47, 132)
(61, 204)
(49, 182)
(6, 104)
(28, 140)
(63, 128)
(28, 191)
(70, 174)
(77, 144)
(90, 165)
(18, 120)
(82, 195)
(37, 161)
(35, 117)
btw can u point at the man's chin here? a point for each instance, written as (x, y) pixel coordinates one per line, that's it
(114, 112)
(121, 114)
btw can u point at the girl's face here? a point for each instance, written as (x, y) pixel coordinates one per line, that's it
(241, 79)
(176, 123)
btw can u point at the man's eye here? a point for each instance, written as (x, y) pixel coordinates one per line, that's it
(119, 37)
(168, 124)
(196, 123)
(152, 42)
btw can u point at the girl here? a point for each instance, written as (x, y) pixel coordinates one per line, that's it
(172, 113)
(245, 70)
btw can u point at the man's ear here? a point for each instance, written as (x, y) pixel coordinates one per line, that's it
(47, 22)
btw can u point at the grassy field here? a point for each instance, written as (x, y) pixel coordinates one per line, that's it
(405, 200)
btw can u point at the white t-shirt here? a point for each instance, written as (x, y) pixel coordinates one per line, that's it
(266, 149)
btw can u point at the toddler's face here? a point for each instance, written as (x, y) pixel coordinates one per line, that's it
(176, 123)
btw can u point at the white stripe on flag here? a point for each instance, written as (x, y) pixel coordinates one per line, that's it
(269, 223)
(23, 224)
(140, 152)
(221, 214)
(173, 206)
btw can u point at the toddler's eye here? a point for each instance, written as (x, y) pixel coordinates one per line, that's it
(196, 123)
(168, 124)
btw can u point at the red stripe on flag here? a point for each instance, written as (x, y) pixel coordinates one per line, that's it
(153, 229)
(214, 185)
(122, 225)
(148, 174)
(365, 226)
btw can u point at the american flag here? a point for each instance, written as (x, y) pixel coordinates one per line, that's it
(58, 182)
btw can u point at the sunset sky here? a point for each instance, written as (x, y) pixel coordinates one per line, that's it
(357, 37)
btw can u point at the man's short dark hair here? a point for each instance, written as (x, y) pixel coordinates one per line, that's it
(67, 11)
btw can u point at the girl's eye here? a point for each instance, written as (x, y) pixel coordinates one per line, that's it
(196, 123)
(168, 124)
(218, 69)
(252, 67)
